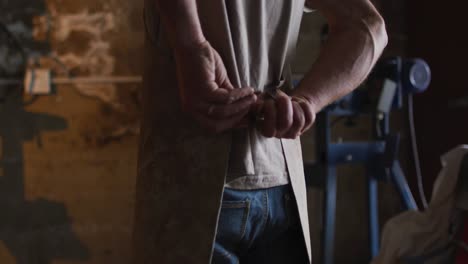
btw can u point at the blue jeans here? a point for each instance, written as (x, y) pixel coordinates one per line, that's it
(259, 226)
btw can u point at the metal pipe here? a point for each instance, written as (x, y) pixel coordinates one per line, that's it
(83, 80)
(98, 80)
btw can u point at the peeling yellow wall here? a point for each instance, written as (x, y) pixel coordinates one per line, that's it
(5, 256)
(68, 160)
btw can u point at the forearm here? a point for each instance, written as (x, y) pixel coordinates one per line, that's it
(181, 21)
(353, 47)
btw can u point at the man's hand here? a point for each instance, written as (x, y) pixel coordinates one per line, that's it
(284, 116)
(206, 92)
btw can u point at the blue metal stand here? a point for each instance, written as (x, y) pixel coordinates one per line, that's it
(379, 156)
(373, 215)
(380, 159)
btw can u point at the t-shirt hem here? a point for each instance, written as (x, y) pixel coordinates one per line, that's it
(253, 182)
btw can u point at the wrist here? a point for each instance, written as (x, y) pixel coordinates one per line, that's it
(187, 34)
(186, 50)
(309, 100)
(191, 41)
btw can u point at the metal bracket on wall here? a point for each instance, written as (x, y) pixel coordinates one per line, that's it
(39, 81)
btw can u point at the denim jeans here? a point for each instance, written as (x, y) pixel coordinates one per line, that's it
(259, 226)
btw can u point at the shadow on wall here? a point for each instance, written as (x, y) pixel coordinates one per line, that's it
(37, 231)
(33, 231)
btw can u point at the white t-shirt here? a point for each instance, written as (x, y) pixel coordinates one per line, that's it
(261, 38)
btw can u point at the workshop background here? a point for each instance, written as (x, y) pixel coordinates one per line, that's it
(68, 159)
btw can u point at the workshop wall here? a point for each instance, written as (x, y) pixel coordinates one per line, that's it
(68, 161)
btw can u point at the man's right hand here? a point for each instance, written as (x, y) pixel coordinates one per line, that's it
(206, 92)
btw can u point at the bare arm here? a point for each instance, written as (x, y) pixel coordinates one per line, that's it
(180, 18)
(356, 40)
(205, 91)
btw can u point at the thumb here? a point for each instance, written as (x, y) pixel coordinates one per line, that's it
(221, 76)
(226, 84)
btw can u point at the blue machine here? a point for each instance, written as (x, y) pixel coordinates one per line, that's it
(398, 78)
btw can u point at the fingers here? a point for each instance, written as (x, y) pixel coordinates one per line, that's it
(239, 93)
(284, 116)
(279, 117)
(308, 114)
(221, 111)
(298, 122)
(308, 109)
(219, 126)
(268, 125)
(224, 96)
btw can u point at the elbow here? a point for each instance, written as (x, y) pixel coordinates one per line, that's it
(373, 25)
(367, 24)
(359, 18)
(377, 28)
